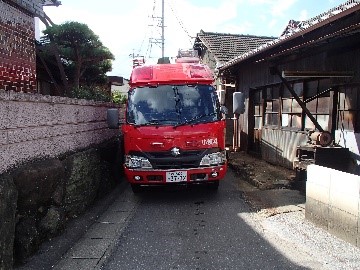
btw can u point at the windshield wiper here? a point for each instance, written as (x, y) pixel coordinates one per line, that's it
(177, 101)
(195, 118)
(154, 122)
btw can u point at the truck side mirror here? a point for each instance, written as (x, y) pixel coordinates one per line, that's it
(238, 102)
(112, 118)
(224, 110)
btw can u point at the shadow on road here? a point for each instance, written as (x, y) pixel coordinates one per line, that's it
(192, 228)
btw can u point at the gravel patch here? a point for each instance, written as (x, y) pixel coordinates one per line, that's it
(302, 242)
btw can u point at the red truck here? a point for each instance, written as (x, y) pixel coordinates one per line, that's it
(174, 127)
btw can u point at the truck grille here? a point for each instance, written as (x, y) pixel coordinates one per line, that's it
(166, 161)
(186, 160)
(164, 165)
(192, 153)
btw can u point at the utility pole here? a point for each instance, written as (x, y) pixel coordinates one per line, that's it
(162, 29)
(160, 23)
(137, 59)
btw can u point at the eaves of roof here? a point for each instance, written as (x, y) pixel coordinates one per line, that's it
(308, 26)
(50, 2)
(35, 7)
(205, 43)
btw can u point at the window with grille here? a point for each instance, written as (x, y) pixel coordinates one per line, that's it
(283, 111)
(272, 106)
(291, 113)
(348, 117)
(258, 109)
(320, 106)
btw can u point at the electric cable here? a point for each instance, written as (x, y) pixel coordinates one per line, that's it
(181, 24)
(147, 33)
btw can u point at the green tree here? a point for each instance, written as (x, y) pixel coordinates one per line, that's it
(84, 56)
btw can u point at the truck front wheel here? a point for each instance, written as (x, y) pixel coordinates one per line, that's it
(136, 188)
(213, 185)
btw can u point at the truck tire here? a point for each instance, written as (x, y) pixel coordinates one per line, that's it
(136, 188)
(214, 186)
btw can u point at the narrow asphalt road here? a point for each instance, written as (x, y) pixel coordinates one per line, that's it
(196, 228)
(193, 229)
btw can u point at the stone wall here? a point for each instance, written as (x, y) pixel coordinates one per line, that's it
(57, 156)
(8, 199)
(38, 198)
(17, 48)
(35, 126)
(333, 202)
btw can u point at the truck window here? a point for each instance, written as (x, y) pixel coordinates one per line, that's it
(172, 105)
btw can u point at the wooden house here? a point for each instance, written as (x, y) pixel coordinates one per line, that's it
(304, 82)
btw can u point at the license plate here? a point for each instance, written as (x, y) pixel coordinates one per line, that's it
(176, 176)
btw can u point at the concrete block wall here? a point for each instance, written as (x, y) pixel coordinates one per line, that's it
(333, 202)
(34, 126)
(17, 48)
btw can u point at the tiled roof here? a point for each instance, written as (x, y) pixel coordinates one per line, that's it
(50, 2)
(228, 46)
(35, 7)
(299, 29)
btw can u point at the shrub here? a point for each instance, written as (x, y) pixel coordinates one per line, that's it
(90, 93)
(118, 97)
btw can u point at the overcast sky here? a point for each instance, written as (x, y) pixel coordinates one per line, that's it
(124, 26)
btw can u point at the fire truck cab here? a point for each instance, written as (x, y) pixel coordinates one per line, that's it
(174, 127)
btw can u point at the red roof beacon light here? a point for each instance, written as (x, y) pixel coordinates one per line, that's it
(200, 71)
(140, 74)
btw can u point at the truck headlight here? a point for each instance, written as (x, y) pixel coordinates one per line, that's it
(217, 158)
(135, 162)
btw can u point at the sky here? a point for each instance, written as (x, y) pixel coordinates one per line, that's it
(126, 27)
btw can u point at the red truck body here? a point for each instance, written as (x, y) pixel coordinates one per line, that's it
(174, 129)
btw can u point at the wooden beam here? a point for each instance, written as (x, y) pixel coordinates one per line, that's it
(57, 88)
(275, 71)
(317, 74)
(55, 51)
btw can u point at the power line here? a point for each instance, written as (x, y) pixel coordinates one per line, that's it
(156, 22)
(146, 35)
(181, 23)
(152, 30)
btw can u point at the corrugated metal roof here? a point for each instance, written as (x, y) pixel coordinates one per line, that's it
(227, 46)
(300, 29)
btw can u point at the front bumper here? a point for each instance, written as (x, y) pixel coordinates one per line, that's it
(161, 177)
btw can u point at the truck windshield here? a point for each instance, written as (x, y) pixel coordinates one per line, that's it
(172, 105)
